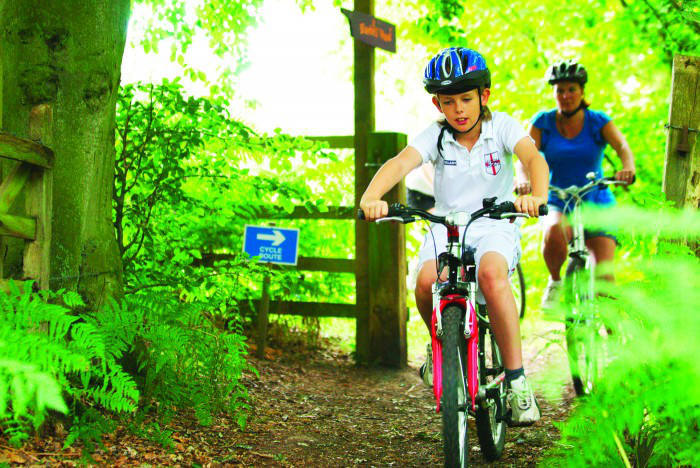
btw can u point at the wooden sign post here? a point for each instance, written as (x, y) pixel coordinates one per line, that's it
(371, 30)
(380, 253)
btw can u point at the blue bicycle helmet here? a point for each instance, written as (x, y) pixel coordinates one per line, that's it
(456, 70)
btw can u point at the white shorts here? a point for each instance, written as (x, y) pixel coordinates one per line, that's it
(489, 236)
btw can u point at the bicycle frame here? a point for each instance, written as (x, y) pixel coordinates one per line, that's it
(578, 241)
(463, 296)
(581, 320)
(574, 194)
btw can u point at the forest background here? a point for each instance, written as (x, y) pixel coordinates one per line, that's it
(215, 101)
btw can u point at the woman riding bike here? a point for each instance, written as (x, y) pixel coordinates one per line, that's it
(472, 151)
(572, 138)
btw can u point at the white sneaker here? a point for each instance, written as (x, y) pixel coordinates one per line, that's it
(426, 370)
(550, 298)
(523, 404)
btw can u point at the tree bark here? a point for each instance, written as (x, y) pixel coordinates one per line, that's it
(68, 54)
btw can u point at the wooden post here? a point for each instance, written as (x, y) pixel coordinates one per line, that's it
(681, 181)
(364, 125)
(387, 266)
(2, 239)
(263, 313)
(1, 78)
(38, 202)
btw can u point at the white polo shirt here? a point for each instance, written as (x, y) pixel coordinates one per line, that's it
(464, 178)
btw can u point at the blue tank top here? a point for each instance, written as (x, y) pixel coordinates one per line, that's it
(570, 159)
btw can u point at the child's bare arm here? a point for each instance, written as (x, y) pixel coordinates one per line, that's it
(387, 176)
(538, 170)
(522, 178)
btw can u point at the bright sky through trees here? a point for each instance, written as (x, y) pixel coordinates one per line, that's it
(299, 77)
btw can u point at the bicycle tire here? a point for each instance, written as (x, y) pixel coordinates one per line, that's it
(517, 283)
(490, 413)
(582, 329)
(454, 391)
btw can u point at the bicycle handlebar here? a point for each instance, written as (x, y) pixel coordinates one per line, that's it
(575, 191)
(405, 215)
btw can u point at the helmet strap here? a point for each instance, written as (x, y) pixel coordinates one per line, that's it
(570, 114)
(454, 131)
(481, 114)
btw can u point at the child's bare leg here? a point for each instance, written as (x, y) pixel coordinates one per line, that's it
(424, 292)
(503, 315)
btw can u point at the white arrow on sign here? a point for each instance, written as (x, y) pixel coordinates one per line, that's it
(277, 237)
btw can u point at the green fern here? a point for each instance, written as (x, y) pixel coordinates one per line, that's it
(184, 362)
(46, 352)
(647, 405)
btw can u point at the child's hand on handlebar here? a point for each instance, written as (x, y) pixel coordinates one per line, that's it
(529, 204)
(374, 209)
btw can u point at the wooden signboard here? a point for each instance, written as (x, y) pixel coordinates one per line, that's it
(370, 30)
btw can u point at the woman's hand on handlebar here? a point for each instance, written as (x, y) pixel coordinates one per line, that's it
(626, 175)
(374, 209)
(529, 204)
(522, 187)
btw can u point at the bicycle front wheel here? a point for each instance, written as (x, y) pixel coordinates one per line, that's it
(454, 403)
(490, 412)
(584, 331)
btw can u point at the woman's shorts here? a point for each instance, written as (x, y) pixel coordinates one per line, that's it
(587, 233)
(491, 236)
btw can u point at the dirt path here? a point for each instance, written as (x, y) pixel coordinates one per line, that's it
(327, 412)
(318, 409)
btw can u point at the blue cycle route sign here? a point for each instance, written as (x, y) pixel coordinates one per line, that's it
(272, 244)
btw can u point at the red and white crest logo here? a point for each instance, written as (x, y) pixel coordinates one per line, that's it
(492, 163)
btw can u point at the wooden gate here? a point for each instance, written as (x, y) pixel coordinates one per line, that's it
(32, 174)
(381, 320)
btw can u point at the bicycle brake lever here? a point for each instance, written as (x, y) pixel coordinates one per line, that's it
(396, 218)
(510, 215)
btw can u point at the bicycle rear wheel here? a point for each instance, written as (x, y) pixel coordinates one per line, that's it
(490, 420)
(584, 331)
(455, 398)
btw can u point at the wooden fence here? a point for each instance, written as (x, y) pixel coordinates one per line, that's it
(386, 146)
(32, 174)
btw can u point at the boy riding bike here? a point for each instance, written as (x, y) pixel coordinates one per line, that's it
(472, 149)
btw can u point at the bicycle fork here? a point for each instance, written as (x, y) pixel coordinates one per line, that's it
(471, 335)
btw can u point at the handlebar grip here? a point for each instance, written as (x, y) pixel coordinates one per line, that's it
(508, 207)
(614, 179)
(395, 209)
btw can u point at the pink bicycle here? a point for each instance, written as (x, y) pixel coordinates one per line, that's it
(468, 374)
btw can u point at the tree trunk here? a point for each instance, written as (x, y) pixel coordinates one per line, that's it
(68, 54)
